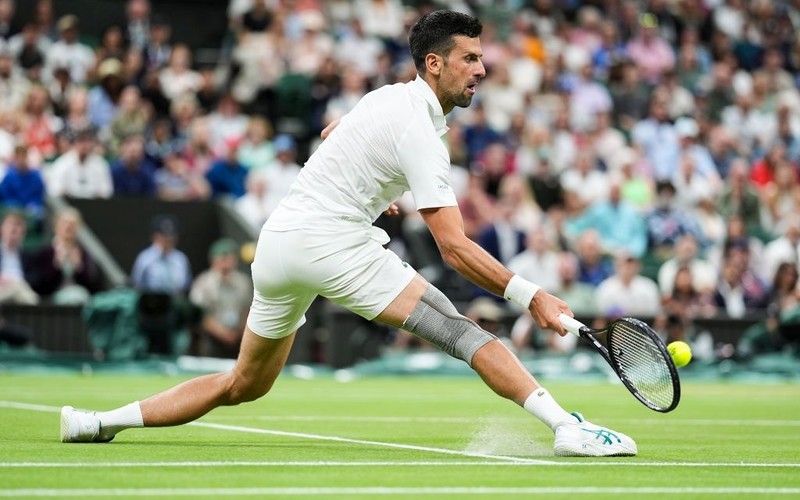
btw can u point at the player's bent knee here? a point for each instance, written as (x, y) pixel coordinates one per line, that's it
(435, 319)
(246, 390)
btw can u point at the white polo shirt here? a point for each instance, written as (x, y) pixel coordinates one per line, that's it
(388, 144)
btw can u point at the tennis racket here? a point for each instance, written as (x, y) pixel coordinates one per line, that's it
(639, 358)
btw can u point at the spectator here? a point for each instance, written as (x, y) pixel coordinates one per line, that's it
(156, 52)
(197, 151)
(133, 173)
(68, 52)
(22, 187)
(104, 98)
(14, 289)
(657, 138)
(81, 172)
(627, 293)
(380, 18)
(307, 53)
(227, 122)
(731, 295)
(619, 224)
(29, 49)
(256, 152)
(161, 267)
(478, 134)
(227, 176)
(8, 27)
(650, 51)
(782, 195)
(593, 266)
(282, 172)
(666, 223)
(538, 261)
(257, 19)
(39, 124)
(131, 119)
(785, 248)
(740, 198)
(629, 94)
(176, 182)
(585, 180)
(223, 294)
(684, 303)
(62, 271)
(358, 50)
(75, 116)
(252, 206)
(353, 88)
(14, 86)
(703, 273)
(137, 14)
(783, 294)
(178, 78)
(499, 237)
(112, 45)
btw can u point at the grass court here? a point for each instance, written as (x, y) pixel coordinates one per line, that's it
(399, 437)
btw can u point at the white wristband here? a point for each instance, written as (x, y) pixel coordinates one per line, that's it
(520, 291)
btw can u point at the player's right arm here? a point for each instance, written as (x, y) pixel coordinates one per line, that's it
(478, 266)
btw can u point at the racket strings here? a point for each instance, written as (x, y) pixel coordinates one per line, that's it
(642, 363)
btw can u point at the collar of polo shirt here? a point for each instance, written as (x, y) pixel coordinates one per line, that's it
(421, 88)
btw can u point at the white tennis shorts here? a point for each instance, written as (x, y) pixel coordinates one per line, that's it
(351, 268)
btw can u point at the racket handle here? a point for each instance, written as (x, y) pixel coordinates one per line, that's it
(572, 325)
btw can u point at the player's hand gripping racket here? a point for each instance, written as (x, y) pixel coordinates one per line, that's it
(638, 356)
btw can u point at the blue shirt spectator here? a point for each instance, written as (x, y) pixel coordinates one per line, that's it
(227, 176)
(22, 187)
(618, 223)
(161, 267)
(133, 173)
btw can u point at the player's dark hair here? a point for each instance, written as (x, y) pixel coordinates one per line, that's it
(434, 33)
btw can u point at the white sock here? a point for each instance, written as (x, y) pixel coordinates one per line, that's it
(126, 417)
(541, 405)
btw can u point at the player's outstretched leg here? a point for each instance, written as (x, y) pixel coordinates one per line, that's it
(503, 372)
(259, 364)
(425, 311)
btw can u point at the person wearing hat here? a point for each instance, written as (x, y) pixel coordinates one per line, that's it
(161, 267)
(104, 98)
(223, 294)
(68, 52)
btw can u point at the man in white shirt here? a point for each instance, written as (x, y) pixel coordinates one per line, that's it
(80, 172)
(69, 53)
(627, 293)
(320, 241)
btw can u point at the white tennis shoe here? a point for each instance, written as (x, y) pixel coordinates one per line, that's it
(81, 427)
(583, 439)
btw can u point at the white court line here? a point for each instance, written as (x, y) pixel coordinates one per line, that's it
(496, 459)
(445, 451)
(255, 430)
(612, 463)
(386, 490)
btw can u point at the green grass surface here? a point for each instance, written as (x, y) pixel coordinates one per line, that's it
(407, 437)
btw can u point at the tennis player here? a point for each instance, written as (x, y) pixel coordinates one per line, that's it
(321, 241)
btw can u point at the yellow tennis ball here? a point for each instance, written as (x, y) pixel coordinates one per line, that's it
(681, 353)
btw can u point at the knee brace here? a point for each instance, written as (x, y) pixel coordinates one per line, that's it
(437, 320)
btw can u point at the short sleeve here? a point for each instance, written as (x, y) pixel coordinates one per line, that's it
(426, 164)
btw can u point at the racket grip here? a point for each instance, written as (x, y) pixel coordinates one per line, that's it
(572, 325)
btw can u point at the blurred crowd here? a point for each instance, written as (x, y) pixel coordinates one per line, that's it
(634, 157)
